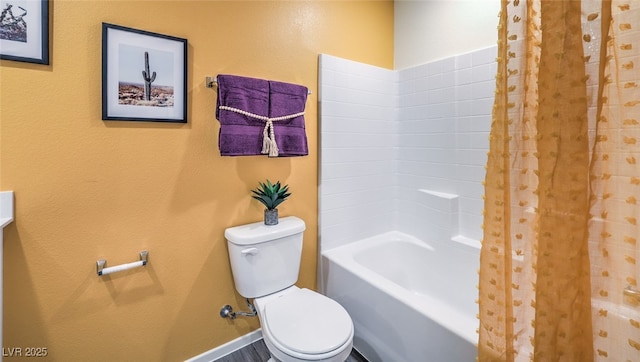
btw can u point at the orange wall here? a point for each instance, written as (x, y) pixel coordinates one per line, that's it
(88, 189)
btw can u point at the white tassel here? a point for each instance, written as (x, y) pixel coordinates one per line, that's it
(265, 139)
(269, 145)
(274, 151)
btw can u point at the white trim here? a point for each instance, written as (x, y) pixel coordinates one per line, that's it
(228, 348)
(6, 217)
(6, 208)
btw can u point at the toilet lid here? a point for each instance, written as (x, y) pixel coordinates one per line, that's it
(308, 322)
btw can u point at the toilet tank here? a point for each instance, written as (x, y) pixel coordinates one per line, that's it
(265, 259)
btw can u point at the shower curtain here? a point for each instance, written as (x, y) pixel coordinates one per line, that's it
(562, 189)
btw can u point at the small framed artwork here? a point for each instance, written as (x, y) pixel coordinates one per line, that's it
(144, 76)
(24, 30)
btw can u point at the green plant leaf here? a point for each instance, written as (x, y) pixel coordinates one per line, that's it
(257, 192)
(265, 201)
(276, 203)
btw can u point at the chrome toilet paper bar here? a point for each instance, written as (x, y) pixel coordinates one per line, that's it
(103, 270)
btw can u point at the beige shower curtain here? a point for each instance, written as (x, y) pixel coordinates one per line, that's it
(562, 190)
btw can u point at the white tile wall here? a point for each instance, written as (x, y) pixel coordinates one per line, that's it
(357, 159)
(385, 134)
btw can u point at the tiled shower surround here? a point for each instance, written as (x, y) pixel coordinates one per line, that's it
(404, 150)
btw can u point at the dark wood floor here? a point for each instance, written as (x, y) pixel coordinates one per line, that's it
(258, 352)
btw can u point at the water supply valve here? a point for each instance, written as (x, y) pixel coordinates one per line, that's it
(227, 311)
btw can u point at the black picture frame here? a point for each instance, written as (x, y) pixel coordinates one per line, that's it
(132, 60)
(24, 31)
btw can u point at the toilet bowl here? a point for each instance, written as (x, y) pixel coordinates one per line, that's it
(302, 325)
(298, 324)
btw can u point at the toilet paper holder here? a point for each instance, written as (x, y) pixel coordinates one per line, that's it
(102, 269)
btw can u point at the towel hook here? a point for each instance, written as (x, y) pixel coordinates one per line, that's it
(210, 82)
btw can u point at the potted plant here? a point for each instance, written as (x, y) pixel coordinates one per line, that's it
(271, 195)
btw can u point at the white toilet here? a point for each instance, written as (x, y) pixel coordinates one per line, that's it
(297, 324)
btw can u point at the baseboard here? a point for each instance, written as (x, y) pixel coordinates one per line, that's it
(227, 348)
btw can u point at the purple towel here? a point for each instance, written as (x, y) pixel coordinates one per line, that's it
(245, 106)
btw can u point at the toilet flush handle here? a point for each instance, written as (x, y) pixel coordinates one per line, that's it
(249, 251)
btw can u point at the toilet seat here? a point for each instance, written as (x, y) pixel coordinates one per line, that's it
(303, 322)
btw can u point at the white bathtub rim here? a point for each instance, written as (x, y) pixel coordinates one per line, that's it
(375, 240)
(438, 311)
(623, 311)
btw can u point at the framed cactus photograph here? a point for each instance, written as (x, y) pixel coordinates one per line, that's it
(24, 31)
(144, 75)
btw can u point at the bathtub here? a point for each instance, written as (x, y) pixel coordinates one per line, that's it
(409, 300)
